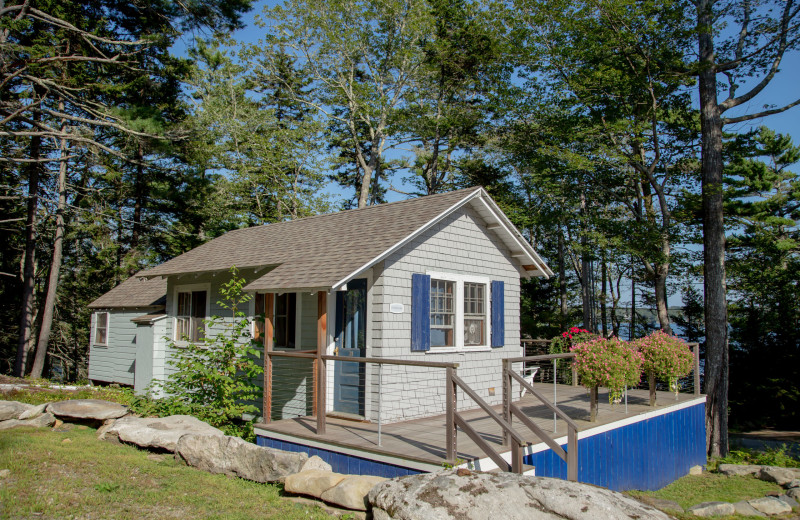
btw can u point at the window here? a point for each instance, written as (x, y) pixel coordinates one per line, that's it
(190, 314)
(442, 313)
(285, 320)
(101, 328)
(459, 311)
(474, 314)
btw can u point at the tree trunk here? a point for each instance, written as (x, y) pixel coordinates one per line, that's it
(55, 265)
(651, 382)
(138, 196)
(716, 319)
(603, 296)
(586, 288)
(632, 332)
(662, 307)
(29, 264)
(562, 282)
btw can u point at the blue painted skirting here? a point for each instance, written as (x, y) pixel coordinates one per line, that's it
(645, 455)
(340, 462)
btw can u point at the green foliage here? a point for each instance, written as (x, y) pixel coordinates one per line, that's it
(768, 457)
(216, 381)
(667, 357)
(610, 363)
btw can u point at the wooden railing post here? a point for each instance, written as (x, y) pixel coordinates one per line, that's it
(574, 373)
(506, 399)
(572, 454)
(269, 313)
(450, 410)
(322, 344)
(516, 458)
(697, 389)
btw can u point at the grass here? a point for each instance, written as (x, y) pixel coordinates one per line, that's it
(712, 487)
(87, 478)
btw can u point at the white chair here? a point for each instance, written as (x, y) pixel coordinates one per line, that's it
(527, 374)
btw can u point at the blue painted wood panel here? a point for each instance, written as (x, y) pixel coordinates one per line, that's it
(645, 455)
(420, 312)
(341, 462)
(498, 314)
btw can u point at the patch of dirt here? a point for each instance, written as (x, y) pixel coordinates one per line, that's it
(8, 380)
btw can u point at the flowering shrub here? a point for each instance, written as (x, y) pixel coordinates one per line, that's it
(566, 340)
(609, 363)
(665, 356)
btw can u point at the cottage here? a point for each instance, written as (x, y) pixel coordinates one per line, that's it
(433, 278)
(391, 346)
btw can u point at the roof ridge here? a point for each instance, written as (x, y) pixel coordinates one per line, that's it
(352, 210)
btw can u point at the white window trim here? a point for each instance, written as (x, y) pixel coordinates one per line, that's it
(94, 328)
(459, 280)
(189, 288)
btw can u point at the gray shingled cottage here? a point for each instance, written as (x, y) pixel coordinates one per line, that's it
(433, 278)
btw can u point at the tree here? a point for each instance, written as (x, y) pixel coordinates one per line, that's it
(361, 58)
(761, 34)
(63, 67)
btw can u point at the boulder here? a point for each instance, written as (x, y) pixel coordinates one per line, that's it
(312, 482)
(780, 476)
(662, 504)
(745, 509)
(795, 483)
(236, 457)
(33, 412)
(156, 433)
(794, 493)
(12, 409)
(43, 421)
(712, 509)
(696, 470)
(789, 501)
(738, 470)
(473, 496)
(316, 462)
(770, 506)
(351, 493)
(87, 410)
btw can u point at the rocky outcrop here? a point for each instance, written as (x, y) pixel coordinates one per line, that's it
(472, 496)
(770, 506)
(780, 476)
(738, 470)
(352, 492)
(42, 421)
(87, 410)
(316, 462)
(236, 457)
(156, 433)
(34, 412)
(12, 410)
(712, 509)
(744, 508)
(312, 482)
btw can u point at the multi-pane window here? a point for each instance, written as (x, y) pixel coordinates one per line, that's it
(442, 313)
(285, 320)
(190, 316)
(101, 328)
(474, 313)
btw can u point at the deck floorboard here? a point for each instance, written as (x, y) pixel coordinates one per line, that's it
(424, 439)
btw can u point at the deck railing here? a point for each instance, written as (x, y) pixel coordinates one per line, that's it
(511, 410)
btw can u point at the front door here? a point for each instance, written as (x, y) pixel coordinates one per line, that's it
(351, 341)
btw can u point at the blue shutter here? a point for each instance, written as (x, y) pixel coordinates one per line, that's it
(420, 312)
(498, 314)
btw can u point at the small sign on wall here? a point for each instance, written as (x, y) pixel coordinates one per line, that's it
(396, 308)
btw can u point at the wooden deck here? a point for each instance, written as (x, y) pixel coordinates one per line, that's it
(423, 440)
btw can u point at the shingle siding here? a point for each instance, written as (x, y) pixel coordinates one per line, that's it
(460, 244)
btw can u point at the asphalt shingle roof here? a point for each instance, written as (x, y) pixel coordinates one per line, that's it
(133, 292)
(313, 252)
